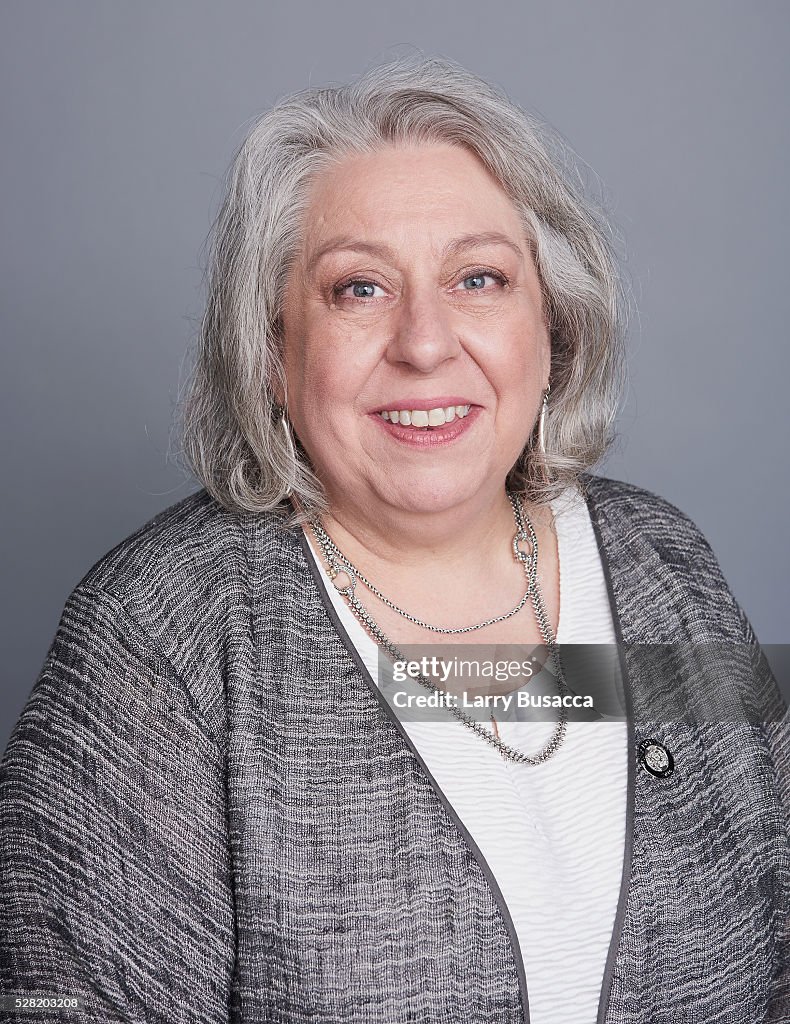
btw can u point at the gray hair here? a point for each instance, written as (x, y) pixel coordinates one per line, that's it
(232, 436)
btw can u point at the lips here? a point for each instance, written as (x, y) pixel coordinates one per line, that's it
(424, 434)
(418, 418)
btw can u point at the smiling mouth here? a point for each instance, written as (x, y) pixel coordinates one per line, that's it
(425, 419)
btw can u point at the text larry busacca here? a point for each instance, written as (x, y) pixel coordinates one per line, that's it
(440, 699)
(500, 670)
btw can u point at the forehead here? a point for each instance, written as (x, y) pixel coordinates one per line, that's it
(420, 189)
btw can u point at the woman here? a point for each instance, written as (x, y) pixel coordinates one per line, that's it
(211, 807)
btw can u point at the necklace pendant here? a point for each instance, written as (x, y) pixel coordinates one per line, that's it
(523, 547)
(344, 581)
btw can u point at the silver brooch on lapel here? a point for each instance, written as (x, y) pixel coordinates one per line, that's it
(656, 758)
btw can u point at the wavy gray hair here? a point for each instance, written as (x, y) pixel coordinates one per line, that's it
(232, 436)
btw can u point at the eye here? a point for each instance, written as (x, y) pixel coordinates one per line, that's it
(476, 282)
(361, 289)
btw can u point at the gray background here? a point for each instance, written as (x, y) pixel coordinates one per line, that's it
(118, 120)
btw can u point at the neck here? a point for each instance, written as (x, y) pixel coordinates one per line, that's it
(393, 538)
(450, 569)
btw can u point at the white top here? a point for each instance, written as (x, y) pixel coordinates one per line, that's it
(553, 834)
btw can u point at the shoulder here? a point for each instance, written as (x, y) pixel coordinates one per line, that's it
(635, 516)
(663, 570)
(185, 571)
(178, 595)
(178, 546)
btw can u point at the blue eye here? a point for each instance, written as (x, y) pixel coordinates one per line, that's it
(360, 289)
(478, 280)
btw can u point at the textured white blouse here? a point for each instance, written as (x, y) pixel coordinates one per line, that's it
(553, 834)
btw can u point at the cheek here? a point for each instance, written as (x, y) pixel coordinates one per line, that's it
(518, 360)
(332, 371)
(319, 378)
(344, 347)
(310, 360)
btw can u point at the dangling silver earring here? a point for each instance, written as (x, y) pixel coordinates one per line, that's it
(542, 422)
(289, 437)
(285, 425)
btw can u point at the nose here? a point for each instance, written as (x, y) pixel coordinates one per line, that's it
(423, 336)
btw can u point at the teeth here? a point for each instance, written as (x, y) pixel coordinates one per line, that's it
(425, 417)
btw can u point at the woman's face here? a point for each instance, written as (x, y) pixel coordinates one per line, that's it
(415, 291)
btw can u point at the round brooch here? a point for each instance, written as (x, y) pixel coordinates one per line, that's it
(656, 758)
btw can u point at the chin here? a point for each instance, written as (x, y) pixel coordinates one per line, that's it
(435, 493)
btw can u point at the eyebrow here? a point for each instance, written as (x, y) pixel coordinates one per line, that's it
(453, 248)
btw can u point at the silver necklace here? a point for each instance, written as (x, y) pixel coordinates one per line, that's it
(525, 533)
(338, 564)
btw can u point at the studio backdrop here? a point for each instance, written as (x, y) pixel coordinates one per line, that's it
(118, 121)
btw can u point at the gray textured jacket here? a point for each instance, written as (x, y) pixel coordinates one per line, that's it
(208, 813)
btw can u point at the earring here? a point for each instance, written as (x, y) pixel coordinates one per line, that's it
(286, 428)
(542, 421)
(291, 457)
